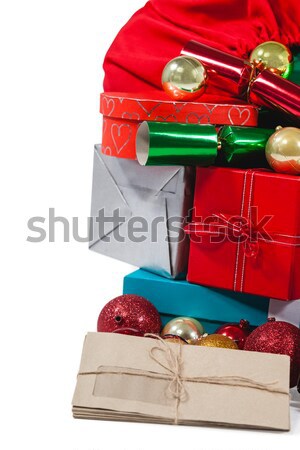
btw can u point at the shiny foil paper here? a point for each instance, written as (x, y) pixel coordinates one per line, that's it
(263, 88)
(243, 147)
(176, 144)
(123, 112)
(138, 213)
(235, 72)
(274, 91)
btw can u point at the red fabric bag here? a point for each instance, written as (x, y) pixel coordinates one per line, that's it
(245, 234)
(158, 31)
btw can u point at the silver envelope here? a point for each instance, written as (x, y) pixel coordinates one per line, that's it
(152, 204)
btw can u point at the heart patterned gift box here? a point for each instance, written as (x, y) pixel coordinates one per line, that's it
(124, 112)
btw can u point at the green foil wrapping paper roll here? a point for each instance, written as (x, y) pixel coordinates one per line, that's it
(243, 147)
(162, 143)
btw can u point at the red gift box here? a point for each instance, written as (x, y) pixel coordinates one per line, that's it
(123, 113)
(245, 233)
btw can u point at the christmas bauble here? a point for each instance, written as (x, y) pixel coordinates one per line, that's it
(217, 340)
(184, 78)
(277, 337)
(174, 339)
(185, 327)
(274, 56)
(129, 314)
(283, 150)
(238, 332)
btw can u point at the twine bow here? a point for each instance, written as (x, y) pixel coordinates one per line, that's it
(176, 388)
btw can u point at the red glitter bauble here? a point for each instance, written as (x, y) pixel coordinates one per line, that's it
(129, 314)
(278, 337)
(238, 332)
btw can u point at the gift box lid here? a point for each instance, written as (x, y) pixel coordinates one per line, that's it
(157, 106)
(180, 298)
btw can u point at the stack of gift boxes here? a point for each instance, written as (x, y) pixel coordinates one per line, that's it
(171, 208)
(152, 199)
(183, 190)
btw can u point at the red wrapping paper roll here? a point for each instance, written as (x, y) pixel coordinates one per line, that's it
(235, 72)
(273, 91)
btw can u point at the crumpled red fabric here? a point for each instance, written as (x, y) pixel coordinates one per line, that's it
(157, 32)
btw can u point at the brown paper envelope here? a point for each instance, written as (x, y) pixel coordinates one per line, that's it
(128, 382)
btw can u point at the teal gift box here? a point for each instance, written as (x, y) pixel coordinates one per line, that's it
(212, 307)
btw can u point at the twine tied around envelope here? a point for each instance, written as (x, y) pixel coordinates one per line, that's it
(176, 388)
(172, 363)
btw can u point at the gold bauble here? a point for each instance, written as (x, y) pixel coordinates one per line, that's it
(274, 56)
(184, 78)
(186, 328)
(217, 340)
(283, 150)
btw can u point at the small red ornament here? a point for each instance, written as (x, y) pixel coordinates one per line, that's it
(238, 332)
(278, 337)
(129, 314)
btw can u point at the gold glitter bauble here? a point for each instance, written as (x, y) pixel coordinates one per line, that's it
(217, 340)
(283, 150)
(274, 56)
(185, 327)
(184, 78)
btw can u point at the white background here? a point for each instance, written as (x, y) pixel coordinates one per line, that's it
(51, 293)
